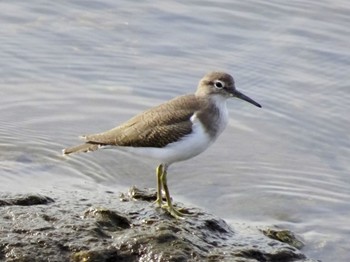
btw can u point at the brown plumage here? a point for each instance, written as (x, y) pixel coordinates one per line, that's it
(174, 131)
(152, 128)
(155, 127)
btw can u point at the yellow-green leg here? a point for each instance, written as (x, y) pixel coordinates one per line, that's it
(168, 206)
(159, 171)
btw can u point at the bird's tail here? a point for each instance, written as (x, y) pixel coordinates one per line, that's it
(87, 147)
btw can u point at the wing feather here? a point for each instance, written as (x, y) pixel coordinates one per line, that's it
(154, 127)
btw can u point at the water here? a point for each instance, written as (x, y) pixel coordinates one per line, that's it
(71, 68)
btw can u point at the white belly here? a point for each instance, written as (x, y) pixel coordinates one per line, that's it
(188, 147)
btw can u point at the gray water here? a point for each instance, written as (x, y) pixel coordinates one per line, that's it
(76, 67)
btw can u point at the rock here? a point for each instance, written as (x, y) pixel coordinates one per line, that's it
(102, 227)
(283, 235)
(26, 200)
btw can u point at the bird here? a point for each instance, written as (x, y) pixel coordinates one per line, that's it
(174, 131)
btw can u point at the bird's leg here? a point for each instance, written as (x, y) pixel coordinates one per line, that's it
(159, 172)
(169, 206)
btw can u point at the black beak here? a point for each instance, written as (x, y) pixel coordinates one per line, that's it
(245, 98)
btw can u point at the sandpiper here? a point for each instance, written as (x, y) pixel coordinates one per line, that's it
(174, 131)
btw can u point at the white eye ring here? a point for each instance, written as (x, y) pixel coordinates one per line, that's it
(219, 84)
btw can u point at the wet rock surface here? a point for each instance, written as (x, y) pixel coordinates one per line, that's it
(26, 200)
(109, 227)
(283, 235)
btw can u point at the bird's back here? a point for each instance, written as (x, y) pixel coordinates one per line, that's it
(154, 127)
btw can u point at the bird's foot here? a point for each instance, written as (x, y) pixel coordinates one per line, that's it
(173, 211)
(158, 202)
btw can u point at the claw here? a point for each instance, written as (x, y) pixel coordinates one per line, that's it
(173, 212)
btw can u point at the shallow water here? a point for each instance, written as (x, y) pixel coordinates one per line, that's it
(74, 68)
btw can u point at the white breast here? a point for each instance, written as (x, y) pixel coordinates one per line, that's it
(222, 121)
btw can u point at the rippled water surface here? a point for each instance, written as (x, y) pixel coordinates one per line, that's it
(77, 67)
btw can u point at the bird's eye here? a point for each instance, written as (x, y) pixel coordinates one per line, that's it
(219, 84)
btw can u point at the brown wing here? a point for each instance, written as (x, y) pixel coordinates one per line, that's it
(155, 127)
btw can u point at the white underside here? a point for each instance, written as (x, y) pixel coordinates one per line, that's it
(188, 147)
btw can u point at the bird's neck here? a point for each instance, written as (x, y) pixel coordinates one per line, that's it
(214, 114)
